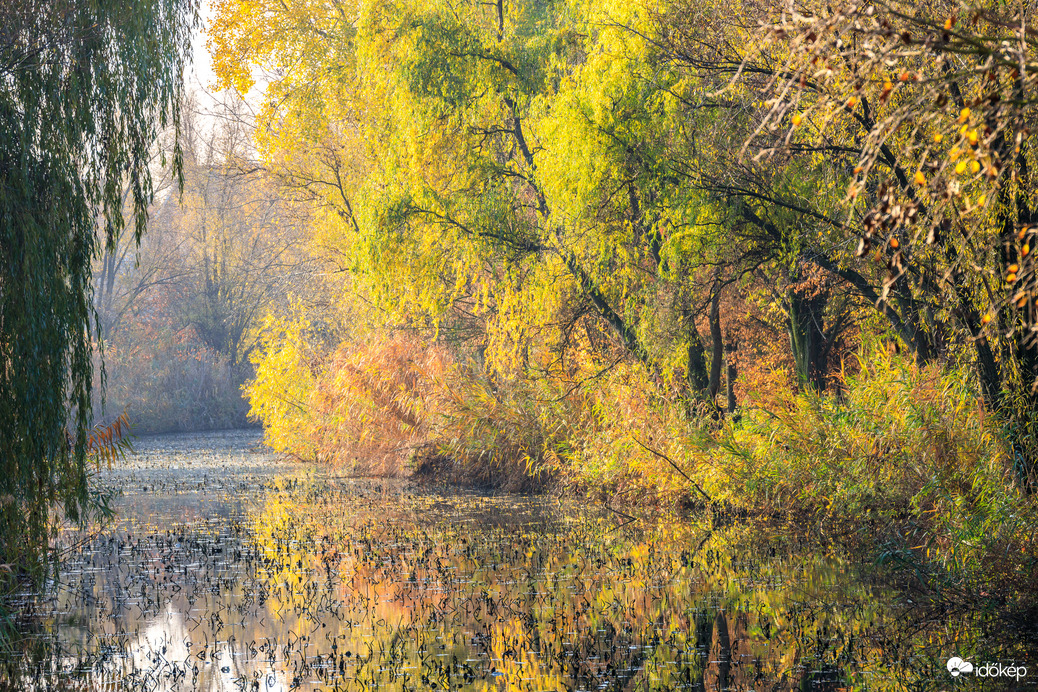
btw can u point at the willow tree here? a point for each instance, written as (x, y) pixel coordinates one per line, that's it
(84, 88)
(484, 183)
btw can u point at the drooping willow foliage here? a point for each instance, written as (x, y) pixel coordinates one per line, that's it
(85, 86)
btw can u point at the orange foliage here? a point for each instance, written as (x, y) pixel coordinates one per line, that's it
(371, 406)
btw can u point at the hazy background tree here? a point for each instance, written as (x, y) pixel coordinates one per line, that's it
(181, 311)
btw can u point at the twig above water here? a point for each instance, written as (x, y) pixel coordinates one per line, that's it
(630, 519)
(670, 461)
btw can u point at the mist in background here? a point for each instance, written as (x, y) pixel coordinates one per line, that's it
(180, 314)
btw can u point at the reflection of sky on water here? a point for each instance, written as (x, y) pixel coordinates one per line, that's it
(226, 571)
(161, 657)
(148, 604)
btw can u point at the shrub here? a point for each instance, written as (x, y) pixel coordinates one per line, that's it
(371, 405)
(394, 406)
(910, 446)
(895, 438)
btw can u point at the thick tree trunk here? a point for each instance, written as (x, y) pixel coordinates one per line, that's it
(807, 338)
(697, 375)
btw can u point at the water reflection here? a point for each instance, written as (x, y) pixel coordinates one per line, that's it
(233, 574)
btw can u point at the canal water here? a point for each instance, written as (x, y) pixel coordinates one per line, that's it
(228, 569)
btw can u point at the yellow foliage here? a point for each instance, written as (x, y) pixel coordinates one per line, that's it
(371, 407)
(279, 394)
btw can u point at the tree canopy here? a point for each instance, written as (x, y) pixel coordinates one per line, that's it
(571, 197)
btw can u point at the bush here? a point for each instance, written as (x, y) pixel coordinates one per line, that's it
(910, 446)
(395, 406)
(895, 438)
(371, 407)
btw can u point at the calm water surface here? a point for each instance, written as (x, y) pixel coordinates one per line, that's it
(229, 570)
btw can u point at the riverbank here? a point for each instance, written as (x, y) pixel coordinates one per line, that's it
(910, 450)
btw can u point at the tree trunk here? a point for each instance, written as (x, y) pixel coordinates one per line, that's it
(716, 348)
(697, 375)
(807, 338)
(730, 382)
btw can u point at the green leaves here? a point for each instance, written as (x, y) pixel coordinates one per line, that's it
(83, 91)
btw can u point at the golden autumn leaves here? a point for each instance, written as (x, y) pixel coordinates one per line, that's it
(921, 171)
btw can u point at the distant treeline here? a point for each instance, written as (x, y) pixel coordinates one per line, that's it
(179, 312)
